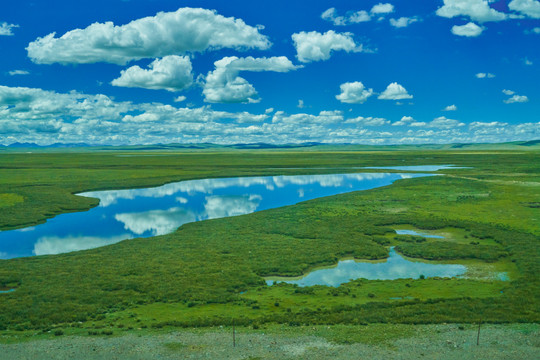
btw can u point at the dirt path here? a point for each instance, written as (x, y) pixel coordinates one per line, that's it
(435, 342)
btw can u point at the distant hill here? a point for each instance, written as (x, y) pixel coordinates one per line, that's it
(531, 143)
(23, 145)
(308, 146)
(55, 145)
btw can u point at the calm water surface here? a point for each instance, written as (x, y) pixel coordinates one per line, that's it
(126, 214)
(416, 233)
(395, 267)
(418, 167)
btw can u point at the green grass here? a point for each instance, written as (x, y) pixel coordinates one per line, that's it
(258, 306)
(211, 272)
(7, 200)
(442, 250)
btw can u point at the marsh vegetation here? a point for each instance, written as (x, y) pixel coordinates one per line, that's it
(211, 272)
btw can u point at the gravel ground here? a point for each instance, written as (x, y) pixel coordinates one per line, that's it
(433, 342)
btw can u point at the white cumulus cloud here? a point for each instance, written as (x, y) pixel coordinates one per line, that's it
(395, 91)
(530, 8)
(443, 122)
(354, 93)
(18, 72)
(485, 75)
(315, 46)
(482, 125)
(245, 117)
(409, 121)
(517, 99)
(45, 117)
(7, 29)
(36, 104)
(223, 85)
(403, 22)
(508, 92)
(359, 16)
(438, 123)
(167, 33)
(477, 10)
(332, 16)
(171, 73)
(350, 18)
(324, 117)
(367, 121)
(468, 30)
(382, 8)
(450, 108)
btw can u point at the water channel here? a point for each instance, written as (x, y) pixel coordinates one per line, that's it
(126, 214)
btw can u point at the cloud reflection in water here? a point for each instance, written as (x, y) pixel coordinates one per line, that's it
(124, 214)
(396, 267)
(219, 206)
(158, 222)
(209, 186)
(56, 245)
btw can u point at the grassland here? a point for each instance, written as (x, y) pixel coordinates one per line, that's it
(211, 273)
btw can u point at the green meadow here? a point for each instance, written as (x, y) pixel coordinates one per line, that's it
(211, 273)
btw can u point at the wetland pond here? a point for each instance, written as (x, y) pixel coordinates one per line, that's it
(394, 267)
(127, 214)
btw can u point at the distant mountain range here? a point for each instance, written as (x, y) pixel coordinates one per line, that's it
(161, 146)
(323, 146)
(55, 145)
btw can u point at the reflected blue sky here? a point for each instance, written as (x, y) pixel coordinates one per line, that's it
(396, 267)
(126, 214)
(429, 168)
(417, 167)
(416, 233)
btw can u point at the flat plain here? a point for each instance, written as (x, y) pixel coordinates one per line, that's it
(209, 275)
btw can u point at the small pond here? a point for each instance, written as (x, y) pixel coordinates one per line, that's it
(127, 214)
(395, 267)
(412, 232)
(417, 167)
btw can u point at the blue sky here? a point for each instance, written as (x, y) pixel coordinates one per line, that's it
(367, 72)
